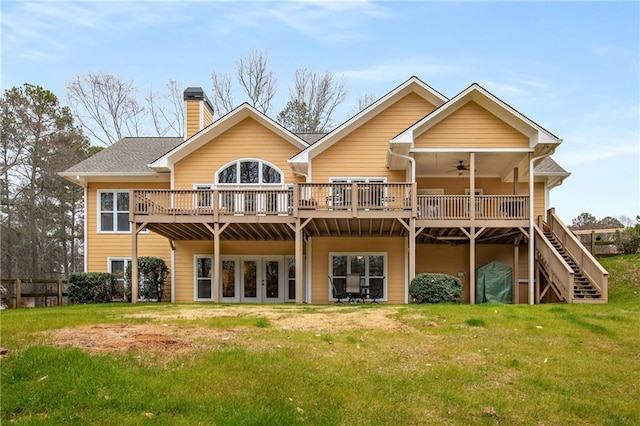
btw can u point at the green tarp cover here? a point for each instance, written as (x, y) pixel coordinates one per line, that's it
(493, 283)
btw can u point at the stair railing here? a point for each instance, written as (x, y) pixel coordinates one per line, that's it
(589, 266)
(559, 272)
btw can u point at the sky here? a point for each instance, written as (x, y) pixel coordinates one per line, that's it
(572, 67)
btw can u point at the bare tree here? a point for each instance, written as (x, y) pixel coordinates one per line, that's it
(105, 105)
(254, 77)
(258, 81)
(166, 110)
(222, 97)
(320, 94)
(363, 101)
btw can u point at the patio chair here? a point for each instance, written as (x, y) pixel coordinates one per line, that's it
(339, 289)
(354, 288)
(375, 288)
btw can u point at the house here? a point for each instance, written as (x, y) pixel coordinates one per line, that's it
(243, 210)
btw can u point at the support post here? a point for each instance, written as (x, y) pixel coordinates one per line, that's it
(18, 293)
(472, 264)
(472, 187)
(516, 268)
(134, 264)
(216, 262)
(412, 255)
(299, 261)
(60, 292)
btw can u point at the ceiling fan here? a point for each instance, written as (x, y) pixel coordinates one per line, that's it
(460, 168)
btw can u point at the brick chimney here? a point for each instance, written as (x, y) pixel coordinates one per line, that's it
(198, 111)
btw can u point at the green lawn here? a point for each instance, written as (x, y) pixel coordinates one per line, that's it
(402, 365)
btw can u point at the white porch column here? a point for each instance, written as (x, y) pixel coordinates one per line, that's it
(299, 261)
(216, 262)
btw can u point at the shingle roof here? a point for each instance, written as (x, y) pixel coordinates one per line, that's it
(311, 138)
(128, 155)
(549, 167)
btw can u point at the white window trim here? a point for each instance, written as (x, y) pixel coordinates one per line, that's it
(385, 255)
(115, 203)
(236, 279)
(205, 186)
(127, 262)
(195, 277)
(259, 184)
(355, 179)
(287, 296)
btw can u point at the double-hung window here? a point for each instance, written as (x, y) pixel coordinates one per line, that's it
(113, 207)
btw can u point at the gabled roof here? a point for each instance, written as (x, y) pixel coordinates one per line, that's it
(299, 162)
(488, 101)
(552, 171)
(224, 123)
(128, 157)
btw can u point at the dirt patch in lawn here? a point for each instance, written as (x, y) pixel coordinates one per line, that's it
(320, 320)
(139, 337)
(160, 336)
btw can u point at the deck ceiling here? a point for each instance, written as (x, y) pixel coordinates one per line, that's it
(234, 231)
(493, 164)
(335, 227)
(457, 236)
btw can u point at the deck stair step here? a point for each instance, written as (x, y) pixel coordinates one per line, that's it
(582, 288)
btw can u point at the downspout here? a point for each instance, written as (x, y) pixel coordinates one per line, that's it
(406, 157)
(532, 224)
(413, 180)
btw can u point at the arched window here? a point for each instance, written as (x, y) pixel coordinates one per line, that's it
(249, 172)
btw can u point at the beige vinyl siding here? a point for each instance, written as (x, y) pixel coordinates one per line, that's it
(248, 139)
(101, 246)
(207, 115)
(472, 126)
(193, 118)
(454, 259)
(186, 250)
(322, 246)
(457, 186)
(489, 186)
(363, 152)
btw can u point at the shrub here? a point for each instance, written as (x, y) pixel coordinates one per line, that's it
(628, 240)
(435, 288)
(152, 273)
(91, 287)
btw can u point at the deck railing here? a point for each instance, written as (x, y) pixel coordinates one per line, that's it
(330, 197)
(559, 272)
(209, 201)
(362, 196)
(489, 207)
(589, 266)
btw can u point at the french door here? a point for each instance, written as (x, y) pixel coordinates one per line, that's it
(252, 279)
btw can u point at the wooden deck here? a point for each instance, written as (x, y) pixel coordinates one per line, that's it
(357, 200)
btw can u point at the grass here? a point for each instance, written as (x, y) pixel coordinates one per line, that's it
(409, 364)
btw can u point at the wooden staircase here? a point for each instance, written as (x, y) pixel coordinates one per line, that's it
(568, 269)
(582, 288)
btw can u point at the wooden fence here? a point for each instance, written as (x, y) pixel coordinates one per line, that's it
(599, 242)
(24, 293)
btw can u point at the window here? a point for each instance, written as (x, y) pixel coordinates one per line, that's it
(291, 278)
(370, 265)
(118, 267)
(249, 172)
(203, 196)
(368, 196)
(114, 211)
(204, 280)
